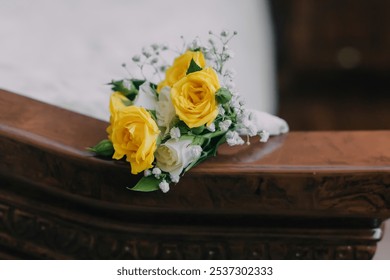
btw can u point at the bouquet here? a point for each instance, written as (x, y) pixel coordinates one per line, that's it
(173, 117)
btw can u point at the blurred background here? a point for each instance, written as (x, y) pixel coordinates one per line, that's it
(321, 65)
(64, 52)
(333, 61)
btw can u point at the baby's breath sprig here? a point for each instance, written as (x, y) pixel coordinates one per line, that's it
(218, 51)
(151, 59)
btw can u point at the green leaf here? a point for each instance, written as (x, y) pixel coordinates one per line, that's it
(147, 184)
(219, 143)
(137, 83)
(103, 148)
(198, 130)
(193, 67)
(128, 88)
(223, 95)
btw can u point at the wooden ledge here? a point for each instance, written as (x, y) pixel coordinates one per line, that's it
(303, 185)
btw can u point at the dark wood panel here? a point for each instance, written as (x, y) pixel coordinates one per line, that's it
(333, 63)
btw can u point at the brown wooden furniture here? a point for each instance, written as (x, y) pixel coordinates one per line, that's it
(304, 195)
(333, 63)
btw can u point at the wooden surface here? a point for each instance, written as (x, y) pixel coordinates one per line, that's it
(301, 195)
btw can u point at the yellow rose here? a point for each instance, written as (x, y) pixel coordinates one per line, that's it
(180, 66)
(134, 135)
(194, 97)
(117, 102)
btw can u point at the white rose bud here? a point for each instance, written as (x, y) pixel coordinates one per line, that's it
(175, 155)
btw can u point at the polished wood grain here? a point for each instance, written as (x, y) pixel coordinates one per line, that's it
(301, 195)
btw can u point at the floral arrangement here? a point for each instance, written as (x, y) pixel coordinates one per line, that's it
(165, 126)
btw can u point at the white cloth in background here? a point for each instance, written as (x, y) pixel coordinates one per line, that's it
(64, 51)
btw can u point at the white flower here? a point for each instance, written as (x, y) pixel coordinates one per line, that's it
(224, 33)
(147, 173)
(174, 178)
(229, 54)
(126, 84)
(154, 60)
(267, 122)
(146, 97)
(173, 156)
(136, 58)
(195, 44)
(229, 84)
(156, 172)
(233, 139)
(165, 111)
(211, 127)
(235, 102)
(196, 151)
(175, 133)
(164, 186)
(221, 110)
(224, 126)
(264, 135)
(230, 73)
(146, 52)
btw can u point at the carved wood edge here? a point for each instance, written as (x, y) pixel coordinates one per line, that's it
(332, 201)
(31, 230)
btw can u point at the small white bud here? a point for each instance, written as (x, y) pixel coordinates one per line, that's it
(233, 139)
(221, 110)
(195, 44)
(136, 58)
(230, 85)
(211, 127)
(229, 54)
(146, 52)
(156, 172)
(231, 73)
(164, 186)
(174, 178)
(224, 126)
(126, 84)
(175, 133)
(225, 33)
(196, 151)
(264, 135)
(147, 172)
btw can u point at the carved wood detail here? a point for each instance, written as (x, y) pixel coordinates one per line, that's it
(303, 195)
(45, 236)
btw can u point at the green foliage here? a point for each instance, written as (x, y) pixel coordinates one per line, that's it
(223, 95)
(147, 184)
(198, 130)
(103, 148)
(193, 67)
(128, 88)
